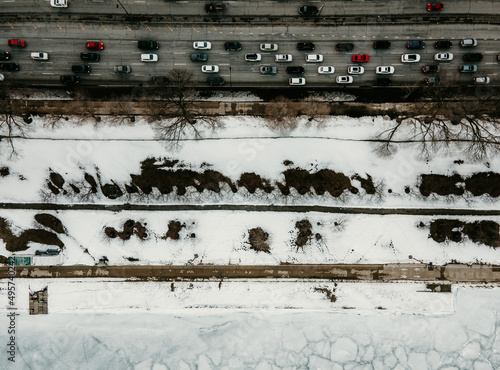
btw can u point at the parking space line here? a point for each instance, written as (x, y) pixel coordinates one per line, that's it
(57, 24)
(81, 26)
(11, 26)
(148, 27)
(194, 28)
(169, 28)
(213, 27)
(102, 25)
(34, 25)
(128, 28)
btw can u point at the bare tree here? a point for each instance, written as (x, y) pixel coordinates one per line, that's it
(177, 114)
(281, 114)
(316, 110)
(12, 124)
(447, 114)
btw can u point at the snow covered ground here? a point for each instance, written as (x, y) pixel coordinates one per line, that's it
(458, 330)
(245, 145)
(221, 237)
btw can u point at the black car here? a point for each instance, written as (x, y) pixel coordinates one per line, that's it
(415, 44)
(431, 68)
(80, 69)
(9, 66)
(4, 55)
(344, 47)
(232, 45)
(215, 8)
(381, 44)
(148, 45)
(432, 80)
(160, 80)
(382, 81)
(218, 81)
(268, 70)
(295, 70)
(308, 10)
(443, 44)
(305, 46)
(473, 57)
(199, 57)
(70, 80)
(90, 56)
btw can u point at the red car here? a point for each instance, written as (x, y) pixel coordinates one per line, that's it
(94, 45)
(434, 7)
(18, 43)
(360, 58)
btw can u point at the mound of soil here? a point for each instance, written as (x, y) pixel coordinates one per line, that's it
(130, 227)
(478, 184)
(155, 175)
(252, 182)
(57, 179)
(329, 293)
(20, 243)
(51, 222)
(91, 181)
(366, 184)
(258, 240)
(446, 229)
(441, 184)
(484, 183)
(4, 260)
(483, 232)
(4, 171)
(324, 180)
(173, 230)
(304, 234)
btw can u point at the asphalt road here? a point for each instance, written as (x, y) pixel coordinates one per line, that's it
(64, 41)
(454, 273)
(245, 8)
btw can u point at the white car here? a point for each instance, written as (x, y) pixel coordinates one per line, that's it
(202, 45)
(314, 58)
(209, 69)
(468, 43)
(326, 70)
(283, 58)
(59, 3)
(297, 81)
(443, 57)
(384, 70)
(253, 57)
(1, 77)
(355, 70)
(345, 79)
(39, 55)
(482, 80)
(410, 58)
(149, 57)
(269, 47)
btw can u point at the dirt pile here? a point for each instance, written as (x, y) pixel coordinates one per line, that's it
(252, 182)
(478, 184)
(330, 293)
(258, 240)
(130, 227)
(20, 243)
(51, 222)
(322, 181)
(304, 232)
(481, 232)
(174, 227)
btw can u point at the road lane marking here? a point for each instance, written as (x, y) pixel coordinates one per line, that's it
(81, 26)
(148, 27)
(102, 25)
(169, 28)
(128, 28)
(179, 64)
(11, 26)
(57, 24)
(194, 28)
(213, 27)
(34, 25)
